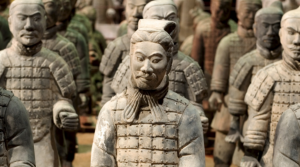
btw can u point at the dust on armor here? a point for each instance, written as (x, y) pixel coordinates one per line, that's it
(229, 50)
(133, 128)
(269, 50)
(40, 78)
(273, 90)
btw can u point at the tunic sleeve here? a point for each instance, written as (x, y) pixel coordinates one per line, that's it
(191, 145)
(103, 149)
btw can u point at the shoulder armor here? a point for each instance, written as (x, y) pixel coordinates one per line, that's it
(71, 35)
(122, 76)
(117, 102)
(112, 55)
(196, 80)
(175, 103)
(5, 97)
(261, 86)
(241, 69)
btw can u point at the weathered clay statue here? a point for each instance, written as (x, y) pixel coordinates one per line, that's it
(149, 125)
(39, 77)
(119, 48)
(272, 91)
(208, 34)
(83, 80)
(105, 11)
(186, 77)
(287, 4)
(229, 50)
(16, 135)
(287, 138)
(268, 50)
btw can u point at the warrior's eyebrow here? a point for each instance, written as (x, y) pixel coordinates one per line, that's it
(292, 29)
(159, 54)
(31, 15)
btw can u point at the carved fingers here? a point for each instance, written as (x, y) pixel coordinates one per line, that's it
(69, 121)
(216, 101)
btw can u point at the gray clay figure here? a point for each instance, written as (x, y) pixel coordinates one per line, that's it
(119, 48)
(149, 125)
(40, 78)
(186, 77)
(229, 50)
(273, 90)
(268, 50)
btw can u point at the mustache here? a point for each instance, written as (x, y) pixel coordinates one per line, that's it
(27, 33)
(294, 48)
(146, 75)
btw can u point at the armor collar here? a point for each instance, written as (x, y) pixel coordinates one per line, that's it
(244, 33)
(290, 62)
(50, 33)
(269, 54)
(26, 50)
(137, 98)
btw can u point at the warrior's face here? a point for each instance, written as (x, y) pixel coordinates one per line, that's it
(290, 37)
(220, 10)
(246, 13)
(164, 12)
(27, 23)
(52, 10)
(267, 28)
(134, 12)
(149, 64)
(65, 9)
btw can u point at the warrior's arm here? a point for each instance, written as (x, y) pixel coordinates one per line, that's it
(287, 138)
(191, 143)
(103, 149)
(259, 124)
(221, 69)
(19, 135)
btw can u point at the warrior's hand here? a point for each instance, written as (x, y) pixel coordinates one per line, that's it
(69, 121)
(216, 101)
(204, 122)
(249, 161)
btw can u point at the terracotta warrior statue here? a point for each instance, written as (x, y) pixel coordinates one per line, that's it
(208, 34)
(4, 29)
(229, 50)
(271, 92)
(268, 50)
(15, 131)
(149, 125)
(40, 78)
(119, 48)
(186, 77)
(287, 4)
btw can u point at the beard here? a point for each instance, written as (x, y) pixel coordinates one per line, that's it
(145, 81)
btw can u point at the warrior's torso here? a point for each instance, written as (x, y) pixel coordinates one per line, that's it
(37, 83)
(144, 142)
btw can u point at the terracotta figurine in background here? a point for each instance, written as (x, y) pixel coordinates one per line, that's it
(268, 50)
(207, 36)
(40, 78)
(119, 48)
(273, 90)
(287, 4)
(186, 77)
(4, 29)
(229, 50)
(16, 135)
(287, 138)
(105, 11)
(149, 125)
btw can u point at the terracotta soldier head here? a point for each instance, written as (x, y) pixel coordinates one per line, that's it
(220, 10)
(27, 21)
(290, 34)
(65, 9)
(163, 10)
(246, 12)
(151, 53)
(134, 12)
(52, 10)
(267, 25)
